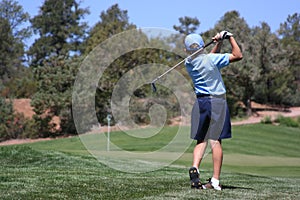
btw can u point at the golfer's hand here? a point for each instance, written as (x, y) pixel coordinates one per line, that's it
(221, 36)
(225, 35)
(217, 38)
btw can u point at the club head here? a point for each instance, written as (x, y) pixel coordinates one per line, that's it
(153, 87)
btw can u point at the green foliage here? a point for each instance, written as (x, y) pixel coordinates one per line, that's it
(264, 75)
(29, 129)
(10, 52)
(283, 121)
(290, 33)
(60, 30)
(13, 125)
(142, 98)
(5, 52)
(6, 119)
(112, 21)
(17, 18)
(141, 103)
(187, 25)
(271, 87)
(266, 120)
(13, 32)
(287, 121)
(54, 94)
(55, 63)
(23, 86)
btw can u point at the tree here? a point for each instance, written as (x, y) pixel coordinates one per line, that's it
(112, 21)
(6, 118)
(12, 124)
(11, 67)
(114, 24)
(271, 87)
(17, 18)
(6, 52)
(53, 98)
(290, 38)
(289, 30)
(60, 31)
(55, 63)
(187, 25)
(13, 33)
(259, 76)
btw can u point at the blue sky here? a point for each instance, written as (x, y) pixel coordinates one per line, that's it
(165, 14)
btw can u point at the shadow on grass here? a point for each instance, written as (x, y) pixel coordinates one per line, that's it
(230, 187)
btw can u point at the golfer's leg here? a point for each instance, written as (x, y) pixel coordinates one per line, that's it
(198, 153)
(217, 156)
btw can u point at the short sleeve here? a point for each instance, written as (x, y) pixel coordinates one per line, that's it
(219, 60)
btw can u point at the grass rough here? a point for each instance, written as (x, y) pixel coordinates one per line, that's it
(63, 169)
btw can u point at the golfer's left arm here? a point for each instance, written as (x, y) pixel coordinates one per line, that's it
(217, 47)
(219, 42)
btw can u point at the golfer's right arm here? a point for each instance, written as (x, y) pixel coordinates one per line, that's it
(236, 53)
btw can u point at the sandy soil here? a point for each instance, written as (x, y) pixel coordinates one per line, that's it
(22, 141)
(258, 116)
(23, 106)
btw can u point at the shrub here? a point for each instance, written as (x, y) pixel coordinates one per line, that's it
(30, 130)
(298, 120)
(15, 125)
(266, 120)
(6, 119)
(287, 121)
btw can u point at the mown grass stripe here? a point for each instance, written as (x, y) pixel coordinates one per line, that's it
(260, 162)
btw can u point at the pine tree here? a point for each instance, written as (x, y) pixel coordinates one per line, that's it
(6, 52)
(17, 18)
(13, 32)
(60, 31)
(270, 88)
(55, 62)
(53, 98)
(187, 25)
(290, 38)
(112, 21)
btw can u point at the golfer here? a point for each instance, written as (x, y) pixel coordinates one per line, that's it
(210, 115)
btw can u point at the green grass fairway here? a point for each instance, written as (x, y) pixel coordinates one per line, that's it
(260, 162)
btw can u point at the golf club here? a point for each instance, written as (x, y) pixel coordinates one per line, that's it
(153, 82)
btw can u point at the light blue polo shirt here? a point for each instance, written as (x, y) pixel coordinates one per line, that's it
(205, 73)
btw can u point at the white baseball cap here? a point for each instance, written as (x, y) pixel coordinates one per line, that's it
(193, 38)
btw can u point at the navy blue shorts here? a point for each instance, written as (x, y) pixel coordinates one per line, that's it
(210, 119)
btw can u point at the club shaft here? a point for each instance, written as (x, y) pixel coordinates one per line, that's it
(166, 72)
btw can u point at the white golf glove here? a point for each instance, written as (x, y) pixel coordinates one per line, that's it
(222, 35)
(225, 35)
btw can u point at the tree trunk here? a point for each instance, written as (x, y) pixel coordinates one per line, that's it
(249, 108)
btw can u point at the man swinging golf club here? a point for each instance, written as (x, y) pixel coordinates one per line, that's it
(210, 115)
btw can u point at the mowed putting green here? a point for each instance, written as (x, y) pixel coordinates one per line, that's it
(260, 162)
